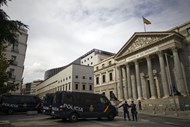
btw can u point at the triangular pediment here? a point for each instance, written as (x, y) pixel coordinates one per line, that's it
(141, 40)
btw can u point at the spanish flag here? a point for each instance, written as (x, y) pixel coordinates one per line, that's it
(146, 21)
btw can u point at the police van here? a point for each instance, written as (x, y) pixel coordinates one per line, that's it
(75, 105)
(47, 103)
(20, 103)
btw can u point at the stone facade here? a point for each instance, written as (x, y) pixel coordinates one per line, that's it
(105, 77)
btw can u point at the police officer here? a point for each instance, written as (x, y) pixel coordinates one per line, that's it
(125, 110)
(133, 111)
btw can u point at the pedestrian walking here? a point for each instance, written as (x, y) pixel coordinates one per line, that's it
(125, 110)
(133, 111)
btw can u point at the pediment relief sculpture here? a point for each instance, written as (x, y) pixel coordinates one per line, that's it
(141, 42)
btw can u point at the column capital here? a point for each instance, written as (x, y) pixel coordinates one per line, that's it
(174, 49)
(159, 53)
(135, 61)
(147, 57)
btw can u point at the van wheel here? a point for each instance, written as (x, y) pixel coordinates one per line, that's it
(10, 111)
(111, 116)
(73, 117)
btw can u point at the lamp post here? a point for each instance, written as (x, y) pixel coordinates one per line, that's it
(170, 82)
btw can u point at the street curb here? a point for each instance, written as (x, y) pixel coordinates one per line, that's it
(5, 123)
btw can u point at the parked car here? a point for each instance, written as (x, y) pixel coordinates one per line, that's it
(74, 105)
(20, 103)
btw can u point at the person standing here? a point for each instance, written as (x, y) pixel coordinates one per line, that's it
(133, 111)
(125, 110)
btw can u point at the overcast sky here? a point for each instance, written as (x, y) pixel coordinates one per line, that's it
(60, 31)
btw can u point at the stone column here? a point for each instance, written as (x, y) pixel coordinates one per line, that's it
(151, 78)
(163, 75)
(129, 81)
(134, 87)
(179, 75)
(138, 80)
(120, 84)
(125, 83)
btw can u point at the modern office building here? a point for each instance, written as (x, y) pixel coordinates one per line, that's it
(77, 76)
(15, 53)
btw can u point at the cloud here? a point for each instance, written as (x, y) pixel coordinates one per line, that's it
(63, 30)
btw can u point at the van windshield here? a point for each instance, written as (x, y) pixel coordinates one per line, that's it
(48, 99)
(57, 98)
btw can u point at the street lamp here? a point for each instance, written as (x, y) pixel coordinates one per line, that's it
(170, 82)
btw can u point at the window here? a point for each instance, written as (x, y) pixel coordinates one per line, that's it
(188, 31)
(104, 78)
(83, 87)
(69, 77)
(15, 46)
(13, 60)
(88, 59)
(102, 65)
(97, 80)
(11, 73)
(90, 87)
(103, 100)
(90, 78)
(96, 68)
(111, 76)
(91, 57)
(83, 77)
(66, 78)
(109, 63)
(76, 76)
(76, 86)
(91, 63)
(69, 86)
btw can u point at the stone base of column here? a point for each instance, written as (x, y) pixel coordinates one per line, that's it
(140, 98)
(152, 98)
(166, 96)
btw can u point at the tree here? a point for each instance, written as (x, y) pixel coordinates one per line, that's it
(9, 30)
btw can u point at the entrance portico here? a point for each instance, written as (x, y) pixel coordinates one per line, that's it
(149, 66)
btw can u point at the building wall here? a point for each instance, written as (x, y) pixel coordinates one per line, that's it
(94, 56)
(17, 57)
(104, 68)
(66, 79)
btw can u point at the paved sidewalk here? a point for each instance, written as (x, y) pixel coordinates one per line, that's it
(178, 114)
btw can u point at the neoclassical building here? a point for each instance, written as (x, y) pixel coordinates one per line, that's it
(151, 67)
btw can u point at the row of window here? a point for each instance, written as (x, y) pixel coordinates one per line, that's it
(87, 59)
(104, 78)
(103, 65)
(67, 87)
(83, 77)
(83, 87)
